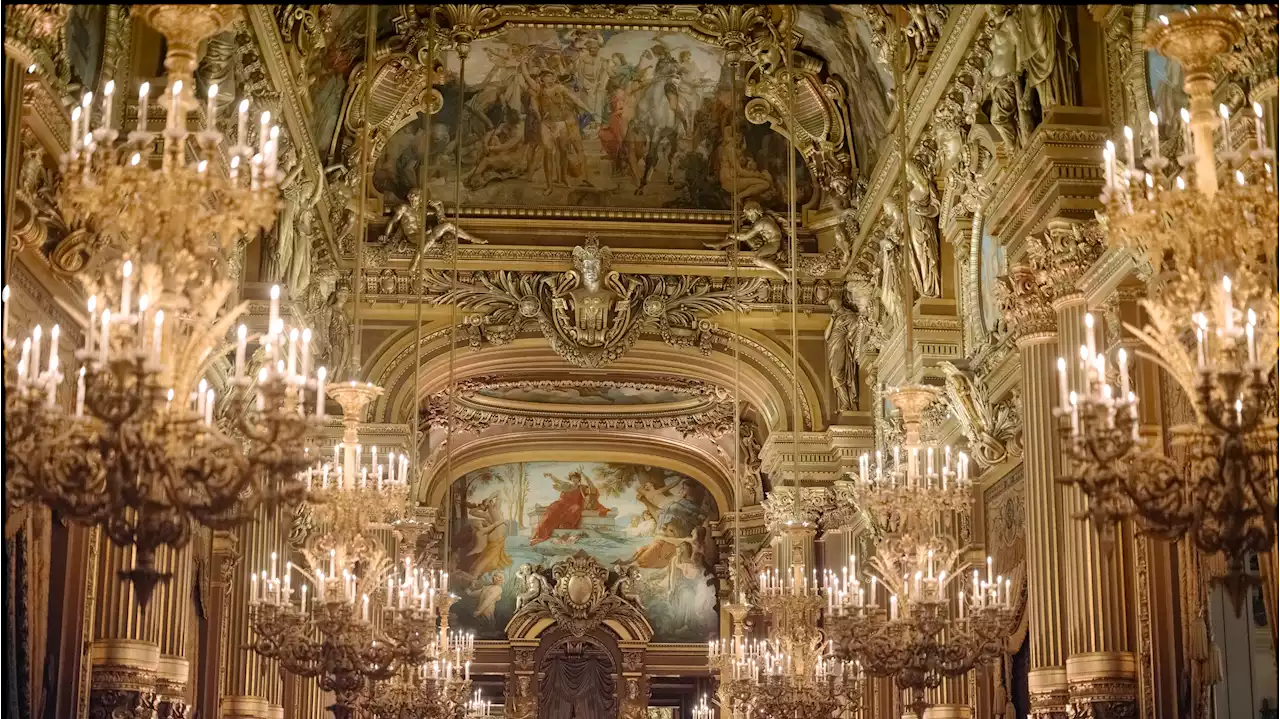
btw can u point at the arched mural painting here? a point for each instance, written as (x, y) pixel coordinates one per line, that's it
(624, 515)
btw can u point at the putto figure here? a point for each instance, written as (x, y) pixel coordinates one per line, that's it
(763, 235)
(438, 227)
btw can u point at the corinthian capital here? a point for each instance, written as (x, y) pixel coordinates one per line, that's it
(1064, 252)
(1025, 302)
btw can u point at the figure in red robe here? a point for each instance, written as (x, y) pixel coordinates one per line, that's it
(576, 495)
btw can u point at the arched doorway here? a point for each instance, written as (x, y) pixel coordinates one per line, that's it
(578, 644)
(578, 677)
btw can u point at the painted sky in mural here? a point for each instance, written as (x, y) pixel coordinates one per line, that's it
(592, 118)
(621, 514)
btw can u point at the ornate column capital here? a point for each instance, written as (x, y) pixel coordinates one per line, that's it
(1064, 252)
(1025, 301)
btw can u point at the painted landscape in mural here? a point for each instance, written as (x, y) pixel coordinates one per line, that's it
(592, 118)
(622, 514)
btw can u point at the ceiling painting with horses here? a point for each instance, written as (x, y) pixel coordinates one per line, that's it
(630, 119)
(648, 523)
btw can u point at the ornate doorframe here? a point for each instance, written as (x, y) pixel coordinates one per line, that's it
(576, 599)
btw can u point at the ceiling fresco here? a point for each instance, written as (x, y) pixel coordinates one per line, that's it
(636, 119)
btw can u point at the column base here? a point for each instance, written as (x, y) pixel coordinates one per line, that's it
(1048, 690)
(244, 708)
(1103, 685)
(124, 679)
(172, 701)
(948, 711)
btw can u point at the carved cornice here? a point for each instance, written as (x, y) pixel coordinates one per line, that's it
(1064, 252)
(708, 411)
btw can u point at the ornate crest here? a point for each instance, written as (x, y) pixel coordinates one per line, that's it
(590, 314)
(578, 597)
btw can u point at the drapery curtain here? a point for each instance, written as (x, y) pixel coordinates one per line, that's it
(577, 689)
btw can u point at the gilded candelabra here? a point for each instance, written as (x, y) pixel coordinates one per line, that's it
(790, 674)
(142, 455)
(903, 615)
(1210, 229)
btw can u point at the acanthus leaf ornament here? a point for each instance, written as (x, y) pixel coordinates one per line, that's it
(590, 314)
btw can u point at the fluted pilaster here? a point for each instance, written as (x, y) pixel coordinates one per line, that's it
(125, 650)
(175, 606)
(1100, 662)
(1026, 305)
(250, 684)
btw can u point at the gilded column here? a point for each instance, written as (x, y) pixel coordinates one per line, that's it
(251, 687)
(176, 609)
(1101, 668)
(1025, 303)
(125, 651)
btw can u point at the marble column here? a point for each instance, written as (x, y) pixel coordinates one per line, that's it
(125, 650)
(1101, 667)
(1031, 319)
(251, 686)
(15, 74)
(224, 558)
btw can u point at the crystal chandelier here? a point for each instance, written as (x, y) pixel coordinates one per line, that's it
(141, 456)
(428, 692)
(905, 615)
(1211, 230)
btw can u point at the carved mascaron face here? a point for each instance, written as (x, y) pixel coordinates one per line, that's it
(590, 270)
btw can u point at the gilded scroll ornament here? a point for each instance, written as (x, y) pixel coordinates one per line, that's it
(992, 428)
(579, 597)
(590, 314)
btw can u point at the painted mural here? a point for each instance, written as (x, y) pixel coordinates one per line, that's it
(86, 33)
(848, 56)
(622, 514)
(1166, 95)
(329, 67)
(586, 394)
(992, 265)
(591, 118)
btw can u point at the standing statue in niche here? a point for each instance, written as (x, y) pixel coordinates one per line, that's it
(763, 235)
(295, 230)
(891, 262)
(1048, 55)
(438, 227)
(842, 361)
(922, 216)
(341, 338)
(1004, 87)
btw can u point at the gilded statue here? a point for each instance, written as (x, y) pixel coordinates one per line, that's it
(405, 219)
(841, 337)
(890, 261)
(341, 338)
(290, 264)
(1048, 55)
(922, 216)
(532, 584)
(763, 235)
(1004, 87)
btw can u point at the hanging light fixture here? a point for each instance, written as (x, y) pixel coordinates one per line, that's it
(140, 455)
(791, 674)
(902, 613)
(1211, 230)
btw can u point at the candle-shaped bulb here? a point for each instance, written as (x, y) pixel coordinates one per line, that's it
(144, 90)
(87, 100)
(135, 159)
(1226, 284)
(1154, 118)
(1185, 115)
(1088, 320)
(266, 114)
(1180, 183)
(1164, 19)
(128, 269)
(1257, 110)
(213, 90)
(1224, 112)
(244, 105)
(109, 88)
(1128, 132)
